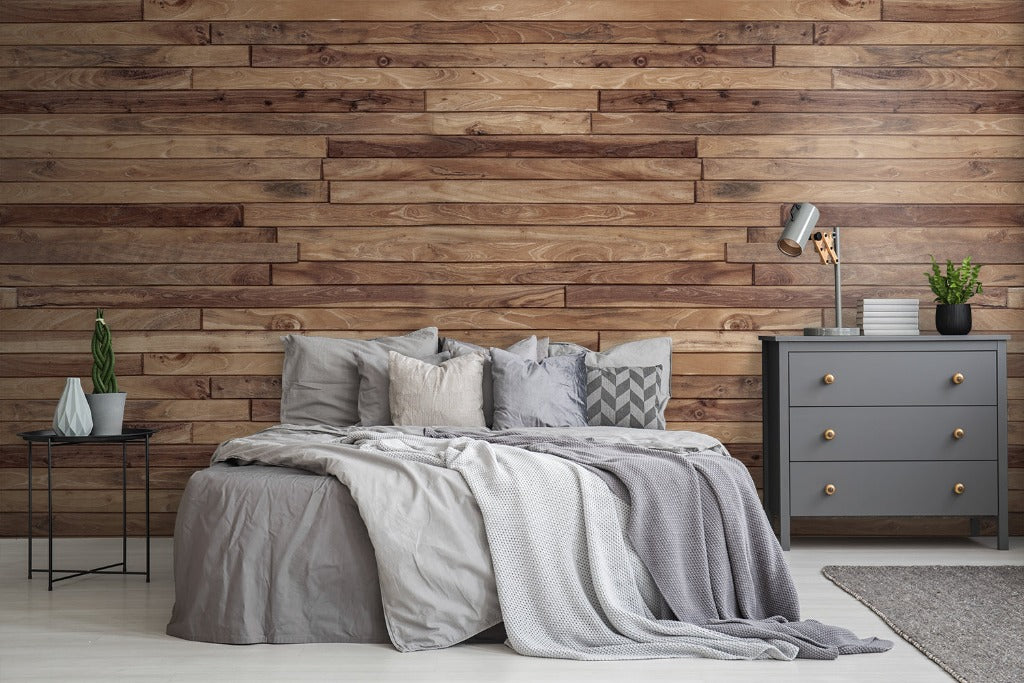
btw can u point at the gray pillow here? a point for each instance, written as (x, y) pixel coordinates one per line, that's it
(641, 353)
(565, 349)
(527, 393)
(374, 383)
(625, 397)
(524, 348)
(429, 395)
(320, 379)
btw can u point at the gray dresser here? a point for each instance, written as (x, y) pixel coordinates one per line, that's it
(883, 426)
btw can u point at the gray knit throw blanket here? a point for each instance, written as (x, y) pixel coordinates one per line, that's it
(698, 526)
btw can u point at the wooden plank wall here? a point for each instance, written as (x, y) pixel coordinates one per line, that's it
(215, 174)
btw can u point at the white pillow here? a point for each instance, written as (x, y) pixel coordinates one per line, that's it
(450, 394)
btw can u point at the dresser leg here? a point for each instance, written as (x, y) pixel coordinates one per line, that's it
(975, 526)
(784, 531)
(1003, 538)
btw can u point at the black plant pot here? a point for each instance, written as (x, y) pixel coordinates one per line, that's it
(953, 318)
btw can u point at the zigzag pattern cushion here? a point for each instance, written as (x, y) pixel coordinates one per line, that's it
(624, 397)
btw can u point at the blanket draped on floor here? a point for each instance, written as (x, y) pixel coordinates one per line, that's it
(561, 554)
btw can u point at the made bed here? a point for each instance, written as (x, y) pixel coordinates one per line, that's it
(584, 542)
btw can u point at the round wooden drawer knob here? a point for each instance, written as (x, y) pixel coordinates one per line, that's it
(829, 378)
(831, 489)
(829, 434)
(959, 488)
(958, 433)
(958, 378)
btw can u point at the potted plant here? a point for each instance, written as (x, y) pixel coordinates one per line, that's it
(105, 401)
(952, 290)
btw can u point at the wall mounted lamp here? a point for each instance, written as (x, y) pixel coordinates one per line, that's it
(797, 231)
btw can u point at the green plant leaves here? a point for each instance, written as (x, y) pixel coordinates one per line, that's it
(959, 283)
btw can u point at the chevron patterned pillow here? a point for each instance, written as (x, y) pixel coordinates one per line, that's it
(624, 397)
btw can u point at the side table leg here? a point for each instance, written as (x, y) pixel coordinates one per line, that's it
(29, 509)
(124, 507)
(49, 514)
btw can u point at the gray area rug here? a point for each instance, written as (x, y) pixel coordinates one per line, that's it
(969, 619)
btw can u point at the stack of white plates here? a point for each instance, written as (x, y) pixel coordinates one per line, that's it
(888, 316)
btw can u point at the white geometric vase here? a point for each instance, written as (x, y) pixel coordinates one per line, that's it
(73, 416)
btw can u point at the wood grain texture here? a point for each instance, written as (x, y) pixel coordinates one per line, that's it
(217, 174)
(512, 32)
(858, 146)
(521, 78)
(425, 10)
(825, 101)
(951, 10)
(655, 56)
(915, 33)
(76, 10)
(162, 146)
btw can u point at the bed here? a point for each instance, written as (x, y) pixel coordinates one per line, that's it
(584, 541)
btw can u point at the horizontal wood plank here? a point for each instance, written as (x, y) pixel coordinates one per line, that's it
(527, 191)
(62, 363)
(79, 31)
(886, 78)
(138, 387)
(512, 32)
(120, 214)
(245, 386)
(355, 273)
(849, 124)
(879, 274)
(900, 55)
(85, 319)
(522, 244)
(413, 296)
(505, 56)
(155, 237)
(525, 214)
(936, 170)
(133, 56)
(163, 146)
(858, 146)
(160, 169)
(469, 10)
(510, 169)
(141, 78)
(864, 192)
(528, 319)
(825, 101)
(403, 146)
(951, 10)
(915, 33)
(138, 409)
(156, 274)
(521, 78)
(164, 191)
(74, 10)
(659, 296)
(215, 252)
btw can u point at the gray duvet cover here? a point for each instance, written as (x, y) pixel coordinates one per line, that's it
(437, 513)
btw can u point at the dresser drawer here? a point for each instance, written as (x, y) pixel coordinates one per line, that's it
(893, 488)
(897, 433)
(880, 378)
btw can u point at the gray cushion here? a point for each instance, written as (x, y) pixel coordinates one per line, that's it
(450, 394)
(524, 348)
(640, 353)
(550, 393)
(320, 379)
(624, 397)
(374, 383)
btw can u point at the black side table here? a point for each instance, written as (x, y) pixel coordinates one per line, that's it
(51, 439)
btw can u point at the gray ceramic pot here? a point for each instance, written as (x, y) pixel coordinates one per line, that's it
(107, 412)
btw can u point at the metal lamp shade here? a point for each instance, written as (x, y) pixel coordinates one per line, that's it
(802, 219)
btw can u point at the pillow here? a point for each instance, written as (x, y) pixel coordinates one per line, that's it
(527, 393)
(625, 397)
(375, 382)
(450, 394)
(641, 353)
(320, 379)
(525, 348)
(565, 349)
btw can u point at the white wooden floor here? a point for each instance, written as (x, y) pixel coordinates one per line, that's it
(104, 628)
